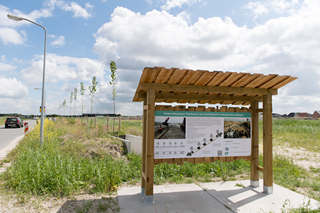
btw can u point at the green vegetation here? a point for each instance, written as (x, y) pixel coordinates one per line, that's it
(79, 156)
(296, 133)
(2, 120)
(296, 178)
(73, 160)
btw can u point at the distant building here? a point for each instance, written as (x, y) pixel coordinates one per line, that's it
(300, 115)
(316, 114)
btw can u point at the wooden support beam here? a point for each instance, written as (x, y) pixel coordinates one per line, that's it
(144, 145)
(260, 168)
(254, 177)
(267, 144)
(208, 89)
(149, 164)
(171, 97)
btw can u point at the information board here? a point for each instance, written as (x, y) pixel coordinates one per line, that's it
(193, 134)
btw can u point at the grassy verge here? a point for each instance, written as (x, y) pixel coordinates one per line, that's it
(79, 158)
(74, 160)
(295, 133)
(2, 120)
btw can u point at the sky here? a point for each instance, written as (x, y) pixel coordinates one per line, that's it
(268, 37)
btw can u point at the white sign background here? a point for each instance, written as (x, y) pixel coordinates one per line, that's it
(202, 136)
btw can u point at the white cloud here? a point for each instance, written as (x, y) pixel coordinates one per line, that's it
(62, 69)
(58, 41)
(170, 4)
(77, 10)
(284, 45)
(257, 8)
(6, 67)
(260, 8)
(9, 35)
(12, 88)
(88, 5)
(8, 32)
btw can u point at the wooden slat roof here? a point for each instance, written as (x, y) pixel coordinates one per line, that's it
(202, 86)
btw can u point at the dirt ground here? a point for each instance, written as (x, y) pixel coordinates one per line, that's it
(299, 156)
(88, 203)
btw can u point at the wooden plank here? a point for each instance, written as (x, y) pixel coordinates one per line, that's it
(191, 77)
(274, 81)
(260, 169)
(260, 81)
(205, 78)
(218, 78)
(144, 144)
(245, 80)
(183, 98)
(148, 76)
(177, 76)
(207, 89)
(152, 74)
(149, 165)
(267, 141)
(281, 84)
(164, 75)
(254, 176)
(231, 79)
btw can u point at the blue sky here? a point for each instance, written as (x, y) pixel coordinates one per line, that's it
(276, 36)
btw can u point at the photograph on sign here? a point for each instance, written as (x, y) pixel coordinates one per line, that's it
(170, 127)
(236, 128)
(187, 134)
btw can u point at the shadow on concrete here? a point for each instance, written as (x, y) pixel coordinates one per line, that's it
(201, 201)
(93, 205)
(247, 194)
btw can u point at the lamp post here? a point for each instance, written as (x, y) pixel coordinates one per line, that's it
(16, 18)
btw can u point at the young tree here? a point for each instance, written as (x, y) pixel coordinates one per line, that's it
(93, 90)
(113, 83)
(75, 93)
(64, 104)
(71, 99)
(82, 90)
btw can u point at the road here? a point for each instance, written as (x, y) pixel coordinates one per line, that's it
(9, 134)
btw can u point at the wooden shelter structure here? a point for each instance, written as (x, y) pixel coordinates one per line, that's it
(174, 85)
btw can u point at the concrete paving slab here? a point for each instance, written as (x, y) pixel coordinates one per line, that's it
(239, 195)
(231, 196)
(173, 198)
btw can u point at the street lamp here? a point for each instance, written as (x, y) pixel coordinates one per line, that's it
(16, 18)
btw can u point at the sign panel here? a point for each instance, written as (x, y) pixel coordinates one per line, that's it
(192, 134)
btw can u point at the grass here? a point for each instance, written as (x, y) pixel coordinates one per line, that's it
(2, 120)
(295, 133)
(76, 158)
(64, 165)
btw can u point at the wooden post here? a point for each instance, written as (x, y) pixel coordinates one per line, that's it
(144, 139)
(149, 164)
(267, 144)
(254, 176)
(119, 126)
(113, 121)
(107, 124)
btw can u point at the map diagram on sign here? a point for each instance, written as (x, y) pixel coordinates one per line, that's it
(180, 134)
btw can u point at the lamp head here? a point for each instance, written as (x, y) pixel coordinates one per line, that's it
(15, 18)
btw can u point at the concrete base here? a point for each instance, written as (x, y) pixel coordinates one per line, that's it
(254, 183)
(142, 191)
(267, 190)
(222, 197)
(148, 199)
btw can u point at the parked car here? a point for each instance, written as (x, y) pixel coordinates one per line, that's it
(14, 122)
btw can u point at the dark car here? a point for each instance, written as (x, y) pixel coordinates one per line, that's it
(14, 122)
